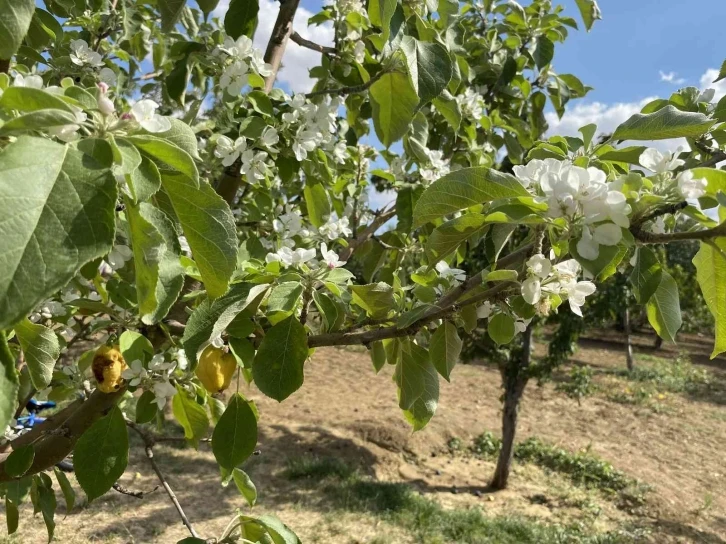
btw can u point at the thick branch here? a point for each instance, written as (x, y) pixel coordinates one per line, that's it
(56, 437)
(149, 450)
(348, 90)
(280, 34)
(645, 237)
(298, 39)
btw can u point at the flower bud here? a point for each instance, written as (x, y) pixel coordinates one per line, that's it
(105, 105)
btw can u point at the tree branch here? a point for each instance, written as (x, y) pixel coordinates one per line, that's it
(56, 437)
(348, 90)
(136, 494)
(148, 440)
(645, 237)
(381, 218)
(278, 40)
(298, 39)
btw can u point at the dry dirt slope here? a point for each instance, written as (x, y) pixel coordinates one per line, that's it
(345, 411)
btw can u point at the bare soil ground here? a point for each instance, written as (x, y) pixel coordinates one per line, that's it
(674, 442)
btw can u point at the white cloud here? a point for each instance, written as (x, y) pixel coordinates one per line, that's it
(706, 82)
(297, 60)
(670, 77)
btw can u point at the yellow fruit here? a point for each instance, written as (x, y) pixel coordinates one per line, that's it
(215, 369)
(107, 366)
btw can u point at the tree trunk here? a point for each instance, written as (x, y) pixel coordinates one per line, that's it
(514, 380)
(628, 340)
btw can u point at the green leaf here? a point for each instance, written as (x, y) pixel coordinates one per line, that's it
(181, 135)
(278, 365)
(378, 355)
(710, 265)
(664, 309)
(589, 11)
(41, 349)
(212, 317)
(380, 13)
(646, 275)
(501, 275)
(285, 297)
(53, 226)
(394, 103)
(464, 188)
(666, 123)
(721, 72)
(69, 494)
(445, 348)
(446, 238)
(267, 529)
(101, 454)
(167, 154)
(171, 11)
(44, 501)
(159, 273)
(501, 329)
(12, 516)
(30, 99)
(544, 52)
(9, 382)
(630, 154)
(328, 309)
(235, 436)
(146, 408)
(209, 227)
(409, 374)
(15, 17)
(190, 415)
(37, 120)
(429, 67)
(317, 202)
(245, 486)
(608, 259)
(241, 18)
(207, 6)
(135, 347)
(375, 298)
(19, 461)
(447, 106)
(99, 149)
(424, 407)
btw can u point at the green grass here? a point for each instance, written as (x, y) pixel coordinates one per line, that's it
(581, 468)
(317, 467)
(430, 523)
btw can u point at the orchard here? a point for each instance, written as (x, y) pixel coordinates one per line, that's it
(198, 230)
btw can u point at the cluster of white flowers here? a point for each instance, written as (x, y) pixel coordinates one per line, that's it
(544, 279)
(349, 30)
(245, 59)
(471, 104)
(144, 113)
(663, 164)
(154, 378)
(313, 126)
(83, 55)
(583, 196)
(436, 167)
(288, 256)
(335, 228)
(47, 310)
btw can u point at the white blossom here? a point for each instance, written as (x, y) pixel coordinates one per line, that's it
(253, 165)
(290, 257)
(69, 133)
(82, 54)
(690, 187)
(163, 390)
(288, 223)
(118, 256)
(335, 228)
(228, 150)
(446, 272)
(437, 166)
(135, 374)
(235, 77)
(31, 81)
(144, 112)
(340, 153)
(270, 138)
(658, 162)
(471, 104)
(304, 142)
(359, 51)
(330, 257)
(485, 310)
(241, 48)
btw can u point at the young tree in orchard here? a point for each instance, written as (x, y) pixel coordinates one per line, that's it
(163, 202)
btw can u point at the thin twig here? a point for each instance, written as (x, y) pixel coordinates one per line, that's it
(349, 90)
(668, 237)
(381, 218)
(136, 494)
(149, 450)
(298, 39)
